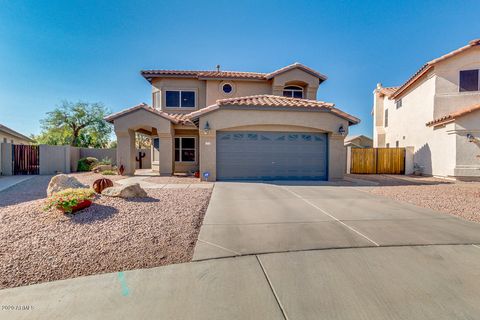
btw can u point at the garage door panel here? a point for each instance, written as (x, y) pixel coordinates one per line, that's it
(271, 155)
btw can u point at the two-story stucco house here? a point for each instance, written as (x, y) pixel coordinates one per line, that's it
(437, 112)
(237, 125)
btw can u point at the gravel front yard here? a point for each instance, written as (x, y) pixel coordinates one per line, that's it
(112, 235)
(461, 199)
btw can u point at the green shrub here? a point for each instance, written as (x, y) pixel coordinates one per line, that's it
(86, 164)
(108, 173)
(66, 199)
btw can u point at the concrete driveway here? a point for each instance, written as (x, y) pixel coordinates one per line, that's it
(251, 218)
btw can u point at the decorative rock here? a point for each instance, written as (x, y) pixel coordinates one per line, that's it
(128, 191)
(102, 167)
(61, 182)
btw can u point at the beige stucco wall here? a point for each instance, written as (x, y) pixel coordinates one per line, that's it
(125, 127)
(164, 84)
(468, 153)
(299, 77)
(54, 159)
(240, 89)
(433, 149)
(209, 91)
(258, 120)
(442, 151)
(448, 98)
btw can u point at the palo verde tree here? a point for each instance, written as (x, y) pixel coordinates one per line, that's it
(77, 124)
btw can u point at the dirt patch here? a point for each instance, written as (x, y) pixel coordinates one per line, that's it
(461, 199)
(112, 235)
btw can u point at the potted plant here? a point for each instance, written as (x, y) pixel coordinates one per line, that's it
(70, 200)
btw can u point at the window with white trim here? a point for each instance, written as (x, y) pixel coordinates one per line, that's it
(386, 118)
(180, 99)
(185, 149)
(293, 92)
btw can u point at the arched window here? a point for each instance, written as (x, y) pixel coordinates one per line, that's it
(293, 92)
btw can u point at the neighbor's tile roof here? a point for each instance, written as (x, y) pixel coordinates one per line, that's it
(209, 74)
(14, 133)
(387, 90)
(275, 102)
(429, 65)
(452, 116)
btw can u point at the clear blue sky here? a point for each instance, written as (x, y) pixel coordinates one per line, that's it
(93, 50)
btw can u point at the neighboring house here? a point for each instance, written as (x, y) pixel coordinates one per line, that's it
(8, 135)
(437, 112)
(359, 141)
(237, 125)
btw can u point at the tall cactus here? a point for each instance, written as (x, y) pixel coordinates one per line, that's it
(141, 155)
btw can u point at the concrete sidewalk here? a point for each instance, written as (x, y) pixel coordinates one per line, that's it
(9, 181)
(422, 282)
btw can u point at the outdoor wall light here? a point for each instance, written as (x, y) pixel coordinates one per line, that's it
(341, 130)
(206, 128)
(470, 137)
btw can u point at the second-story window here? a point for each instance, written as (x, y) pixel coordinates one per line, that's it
(179, 99)
(386, 117)
(469, 80)
(293, 92)
(398, 103)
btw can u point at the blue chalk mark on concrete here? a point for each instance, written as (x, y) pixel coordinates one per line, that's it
(123, 283)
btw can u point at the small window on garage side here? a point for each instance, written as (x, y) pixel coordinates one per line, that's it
(469, 80)
(397, 144)
(293, 92)
(185, 149)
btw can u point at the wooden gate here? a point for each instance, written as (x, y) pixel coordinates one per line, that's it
(378, 160)
(26, 159)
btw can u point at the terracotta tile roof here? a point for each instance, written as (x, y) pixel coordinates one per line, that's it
(182, 118)
(429, 65)
(205, 74)
(144, 106)
(387, 90)
(452, 116)
(209, 74)
(276, 102)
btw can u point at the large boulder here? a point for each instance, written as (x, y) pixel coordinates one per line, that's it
(102, 167)
(63, 181)
(127, 191)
